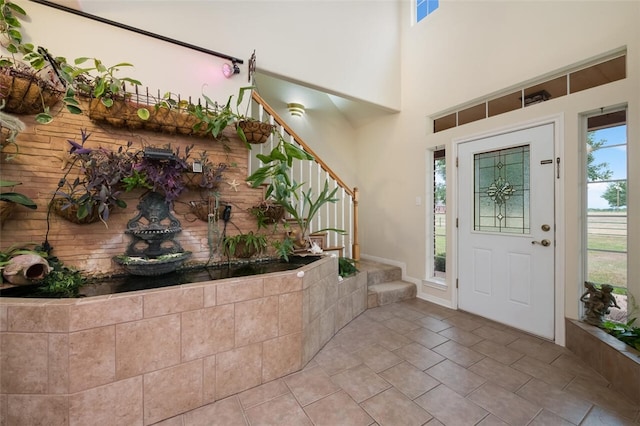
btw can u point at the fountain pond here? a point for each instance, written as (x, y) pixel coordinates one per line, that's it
(125, 283)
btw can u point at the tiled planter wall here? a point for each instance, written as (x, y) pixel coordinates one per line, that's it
(616, 361)
(141, 357)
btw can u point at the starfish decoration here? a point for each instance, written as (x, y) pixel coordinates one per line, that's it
(234, 184)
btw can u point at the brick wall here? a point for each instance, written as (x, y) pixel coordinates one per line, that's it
(41, 163)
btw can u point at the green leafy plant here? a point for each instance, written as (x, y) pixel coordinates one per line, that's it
(282, 190)
(213, 117)
(15, 250)
(346, 267)
(16, 197)
(627, 333)
(245, 245)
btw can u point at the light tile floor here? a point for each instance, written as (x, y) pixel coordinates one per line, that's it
(416, 363)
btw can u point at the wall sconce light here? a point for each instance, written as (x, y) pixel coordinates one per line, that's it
(295, 109)
(228, 70)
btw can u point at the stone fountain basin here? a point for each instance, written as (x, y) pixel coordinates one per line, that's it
(154, 234)
(150, 267)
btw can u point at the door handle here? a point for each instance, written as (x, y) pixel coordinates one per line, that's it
(544, 242)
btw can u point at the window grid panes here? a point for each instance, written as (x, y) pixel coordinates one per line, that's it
(501, 191)
(424, 8)
(606, 224)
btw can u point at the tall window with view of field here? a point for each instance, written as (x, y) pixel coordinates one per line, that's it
(606, 206)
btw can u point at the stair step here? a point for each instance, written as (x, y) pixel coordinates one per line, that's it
(378, 273)
(390, 292)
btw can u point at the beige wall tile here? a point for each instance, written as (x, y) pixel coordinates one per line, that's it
(207, 331)
(173, 301)
(3, 317)
(58, 363)
(3, 409)
(209, 379)
(38, 318)
(256, 320)
(24, 362)
(92, 358)
(172, 391)
(238, 370)
(281, 356)
(116, 403)
(290, 313)
(344, 311)
(104, 311)
(37, 410)
(317, 294)
(279, 284)
(210, 292)
(147, 345)
(237, 291)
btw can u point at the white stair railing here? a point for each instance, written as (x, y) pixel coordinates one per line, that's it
(342, 214)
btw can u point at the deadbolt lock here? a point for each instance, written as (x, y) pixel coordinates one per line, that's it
(545, 228)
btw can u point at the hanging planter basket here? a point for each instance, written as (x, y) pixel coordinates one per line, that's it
(70, 213)
(202, 208)
(26, 93)
(120, 114)
(268, 213)
(256, 132)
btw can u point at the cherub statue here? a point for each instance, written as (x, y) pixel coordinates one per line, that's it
(597, 302)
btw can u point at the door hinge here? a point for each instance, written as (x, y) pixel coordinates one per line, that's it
(456, 283)
(558, 167)
(456, 222)
(456, 161)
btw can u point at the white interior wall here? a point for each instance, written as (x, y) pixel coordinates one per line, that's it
(327, 44)
(467, 50)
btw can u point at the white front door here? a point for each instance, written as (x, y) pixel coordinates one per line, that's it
(506, 228)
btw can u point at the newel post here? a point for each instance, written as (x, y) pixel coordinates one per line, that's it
(355, 247)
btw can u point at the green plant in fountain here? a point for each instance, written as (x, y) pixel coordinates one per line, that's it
(244, 245)
(283, 190)
(346, 267)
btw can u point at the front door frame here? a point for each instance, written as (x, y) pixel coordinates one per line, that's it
(559, 261)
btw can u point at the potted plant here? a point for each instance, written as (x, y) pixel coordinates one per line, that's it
(8, 200)
(244, 246)
(204, 174)
(162, 170)
(98, 189)
(267, 212)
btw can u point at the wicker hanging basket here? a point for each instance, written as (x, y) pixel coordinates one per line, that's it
(26, 93)
(71, 212)
(256, 132)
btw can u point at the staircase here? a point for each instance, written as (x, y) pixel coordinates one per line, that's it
(385, 284)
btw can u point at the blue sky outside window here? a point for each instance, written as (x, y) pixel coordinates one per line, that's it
(424, 8)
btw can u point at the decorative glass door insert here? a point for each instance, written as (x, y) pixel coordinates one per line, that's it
(501, 190)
